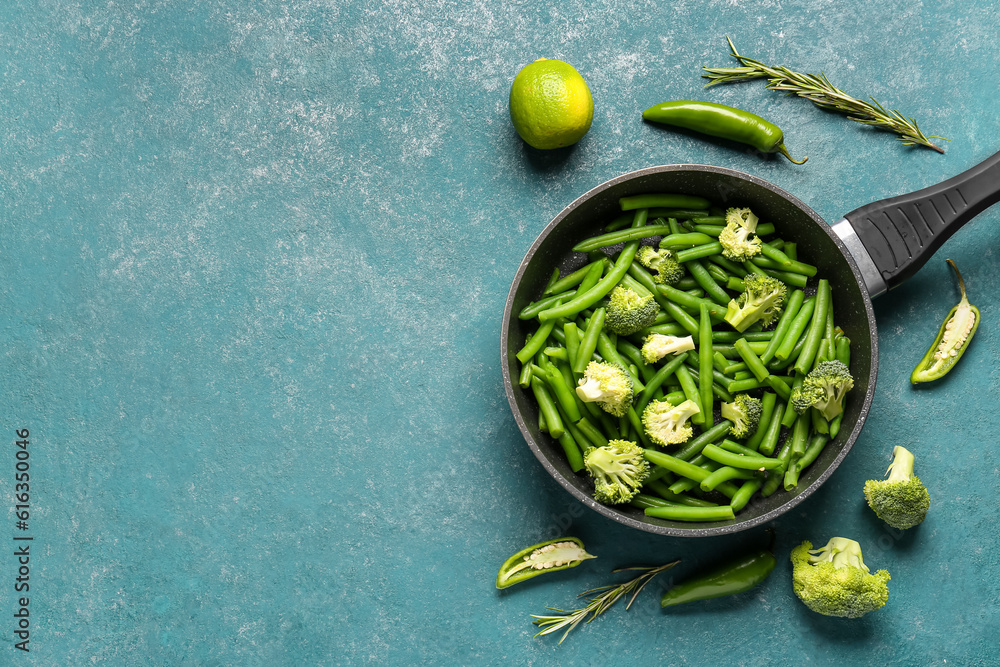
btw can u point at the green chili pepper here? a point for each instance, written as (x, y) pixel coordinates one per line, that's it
(951, 341)
(733, 577)
(549, 556)
(718, 120)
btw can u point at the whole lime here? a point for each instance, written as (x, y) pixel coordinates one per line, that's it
(550, 104)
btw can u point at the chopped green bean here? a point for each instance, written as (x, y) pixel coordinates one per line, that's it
(589, 343)
(663, 201)
(719, 455)
(698, 252)
(685, 513)
(620, 236)
(814, 335)
(768, 403)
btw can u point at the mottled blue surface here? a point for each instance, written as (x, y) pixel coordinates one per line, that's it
(255, 258)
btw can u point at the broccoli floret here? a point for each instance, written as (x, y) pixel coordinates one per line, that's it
(824, 388)
(668, 269)
(762, 299)
(656, 346)
(744, 412)
(618, 469)
(666, 424)
(835, 581)
(736, 240)
(608, 385)
(628, 311)
(901, 500)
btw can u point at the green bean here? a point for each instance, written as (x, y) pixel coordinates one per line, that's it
(660, 488)
(571, 449)
(769, 442)
(751, 359)
(685, 214)
(719, 455)
(737, 448)
(804, 363)
(698, 252)
(819, 422)
(753, 268)
(622, 221)
(704, 278)
(535, 344)
(598, 291)
(591, 432)
(691, 391)
(547, 408)
(708, 228)
(790, 279)
(657, 380)
(678, 242)
(683, 318)
(751, 336)
(634, 354)
(723, 474)
(531, 311)
(745, 492)
(553, 352)
(684, 513)
(589, 343)
(664, 201)
(816, 445)
(732, 267)
(693, 447)
(620, 236)
(792, 307)
(790, 414)
(524, 379)
(795, 329)
(644, 501)
(575, 278)
(800, 434)
(775, 477)
(633, 418)
(774, 254)
(676, 465)
(779, 386)
(669, 329)
(690, 303)
(705, 366)
(792, 267)
(768, 403)
(720, 275)
(561, 392)
(572, 334)
(843, 351)
(713, 219)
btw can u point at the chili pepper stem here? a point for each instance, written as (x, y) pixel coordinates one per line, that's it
(961, 282)
(784, 151)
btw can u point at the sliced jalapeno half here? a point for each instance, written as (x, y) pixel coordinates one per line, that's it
(730, 578)
(548, 556)
(952, 339)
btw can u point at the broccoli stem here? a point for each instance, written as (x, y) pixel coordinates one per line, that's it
(901, 469)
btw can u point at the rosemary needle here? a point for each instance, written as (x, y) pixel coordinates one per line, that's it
(608, 596)
(818, 90)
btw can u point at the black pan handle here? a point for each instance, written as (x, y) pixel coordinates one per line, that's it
(901, 233)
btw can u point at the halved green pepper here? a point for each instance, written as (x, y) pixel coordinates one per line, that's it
(549, 556)
(730, 578)
(952, 339)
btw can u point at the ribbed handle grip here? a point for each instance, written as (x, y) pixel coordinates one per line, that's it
(901, 233)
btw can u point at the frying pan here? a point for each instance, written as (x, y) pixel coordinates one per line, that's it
(868, 252)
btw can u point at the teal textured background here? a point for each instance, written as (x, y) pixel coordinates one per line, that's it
(255, 259)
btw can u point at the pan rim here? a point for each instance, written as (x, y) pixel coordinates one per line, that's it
(661, 528)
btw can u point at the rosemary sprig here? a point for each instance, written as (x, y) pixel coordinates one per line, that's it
(818, 90)
(596, 606)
